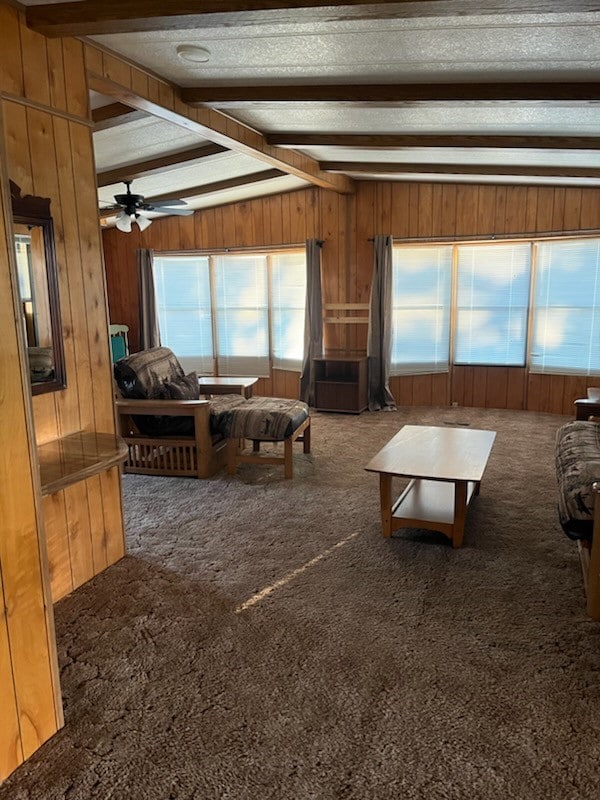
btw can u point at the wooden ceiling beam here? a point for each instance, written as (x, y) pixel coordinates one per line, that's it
(394, 141)
(113, 115)
(219, 186)
(413, 93)
(128, 16)
(396, 168)
(142, 169)
(163, 101)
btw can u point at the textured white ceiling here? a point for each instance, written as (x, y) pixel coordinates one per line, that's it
(456, 155)
(141, 140)
(497, 47)
(478, 48)
(472, 118)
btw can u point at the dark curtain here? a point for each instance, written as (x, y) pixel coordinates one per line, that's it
(313, 321)
(379, 346)
(149, 331)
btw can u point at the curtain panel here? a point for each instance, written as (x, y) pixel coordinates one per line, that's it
(379, 345)
(313, 320)
(149, 330)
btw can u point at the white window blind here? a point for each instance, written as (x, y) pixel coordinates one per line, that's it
(288, 301)
(566, 330)
(492, 302)
(421, 294)
(182, 287)
(242, 314)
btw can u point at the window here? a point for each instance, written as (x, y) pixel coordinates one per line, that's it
(182, 286)
(492, 302)
(288, 302)
(566, 313)
(242, 314)
(482, 296)
(235, 313)
(421, 287)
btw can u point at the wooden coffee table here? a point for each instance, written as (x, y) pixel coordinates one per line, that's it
(446, 466)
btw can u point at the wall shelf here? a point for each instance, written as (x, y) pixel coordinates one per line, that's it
(77, 457)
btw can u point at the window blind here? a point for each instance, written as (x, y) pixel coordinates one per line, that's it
(421, 295)
(492, 301)
(288, 303)
(182, 287)
(242, 314)
(566, 330)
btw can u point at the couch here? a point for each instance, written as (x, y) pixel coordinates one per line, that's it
(578, 474)
(170, 430)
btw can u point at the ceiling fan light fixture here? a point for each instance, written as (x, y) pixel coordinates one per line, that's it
(124, 222)
(193, 53)
(143, 222)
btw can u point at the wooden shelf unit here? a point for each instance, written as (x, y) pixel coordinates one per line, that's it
(341, 382)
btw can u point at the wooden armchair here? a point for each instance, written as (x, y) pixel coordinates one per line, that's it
(200, 455)
(166, 426)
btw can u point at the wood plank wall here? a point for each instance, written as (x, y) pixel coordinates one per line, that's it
(346, 223)
(30, 710)
(50, 153)
(46, 148)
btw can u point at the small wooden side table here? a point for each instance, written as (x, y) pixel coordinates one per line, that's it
(585, 408)
(213, 385)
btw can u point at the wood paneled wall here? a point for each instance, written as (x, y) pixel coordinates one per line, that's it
(30, 710)
(46, 148)
(346, 223)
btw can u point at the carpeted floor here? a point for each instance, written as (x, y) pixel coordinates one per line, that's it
(263, 641)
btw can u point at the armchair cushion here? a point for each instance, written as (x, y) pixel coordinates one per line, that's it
(186, 388)
(153, 374)
(141, 376)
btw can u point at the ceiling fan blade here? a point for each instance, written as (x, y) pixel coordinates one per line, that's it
(180, 212)
(168, 203)
(124, 222)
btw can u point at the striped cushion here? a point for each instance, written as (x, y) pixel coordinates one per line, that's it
(264, 419)
(577, 468)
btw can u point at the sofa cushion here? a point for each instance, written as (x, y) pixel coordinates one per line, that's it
(577, 468)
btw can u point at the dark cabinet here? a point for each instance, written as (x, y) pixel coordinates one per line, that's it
(341, 382)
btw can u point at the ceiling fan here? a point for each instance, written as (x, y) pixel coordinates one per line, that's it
(132, 208)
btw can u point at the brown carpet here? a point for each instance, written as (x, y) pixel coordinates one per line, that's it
(382, 669)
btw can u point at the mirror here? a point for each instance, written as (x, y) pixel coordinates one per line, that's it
(38, 290)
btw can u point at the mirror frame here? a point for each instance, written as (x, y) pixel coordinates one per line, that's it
(35, 212)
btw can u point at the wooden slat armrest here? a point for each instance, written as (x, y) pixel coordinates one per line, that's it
(172, 408)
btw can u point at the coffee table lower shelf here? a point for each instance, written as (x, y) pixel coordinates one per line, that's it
(432, 505)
